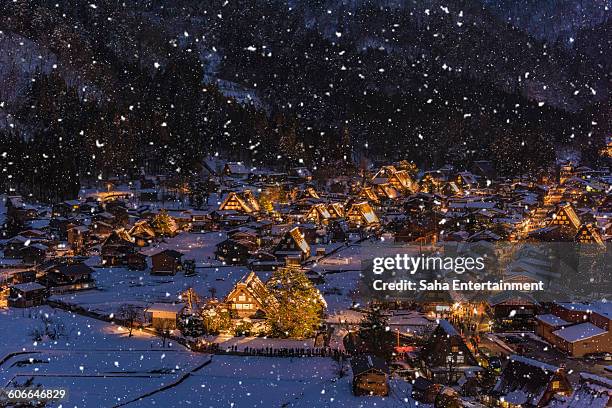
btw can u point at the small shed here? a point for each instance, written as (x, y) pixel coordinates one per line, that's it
(164, 315)
(370, 375)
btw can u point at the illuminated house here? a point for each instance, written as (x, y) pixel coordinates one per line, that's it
(528, 383)
(142, 233)
(319, 214)
(589, 234)
(446, 357)
(399, 179)
(566, 171)
(566, 218)
(249, 297)
(370, 375)
(293, 244)
(336, 210)
(386, 191)
(367, 193)
(362, 215)
(244, 202)
(163, 316)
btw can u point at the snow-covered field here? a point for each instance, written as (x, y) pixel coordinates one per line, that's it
(100, 366)
(250, 382)
(96, 362)
(118, 286)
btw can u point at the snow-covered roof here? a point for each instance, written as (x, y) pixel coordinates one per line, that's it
(552, 320)
(166, 307)
(534, 363)
(579, 332)
(28, 287)
(448, 328)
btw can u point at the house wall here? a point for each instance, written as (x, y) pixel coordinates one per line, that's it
(163, 322)
(545, 331)
(371, 383)
(597, 344)
(164, 264)
(243, 303)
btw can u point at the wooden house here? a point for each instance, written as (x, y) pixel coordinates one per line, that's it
(338, 231)
(368, 194)
(78, 237)
(33, 234)
(528, 383)
(142, 233)
(166, 262)
(34, 254)
(27, 294)
(370, 375)
(521, 305)
(293, 244)
(249, 297)
(466, 180)
(362, 215)
(236, 169)
(117, 247)
(101, 229)
(164, 316)
(104, 217)
(69, 277)
(65, 209)
(336, 210)
(61, 225)
(446, 357)
(318, 214)
(566, 218)
(592, 391)
(13, 246)
(386, 192)
(235, 251)
(402, 181)
(244, 202)
(589, 234)
(19, 212)
(424, 391)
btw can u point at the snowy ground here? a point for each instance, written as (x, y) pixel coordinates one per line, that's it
(89, 359)
(241, 382)
(101, 367)
(118, 286)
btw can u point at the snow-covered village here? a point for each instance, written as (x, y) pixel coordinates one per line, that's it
(305, 204)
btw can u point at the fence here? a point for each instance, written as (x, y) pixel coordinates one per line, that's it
(215, 348)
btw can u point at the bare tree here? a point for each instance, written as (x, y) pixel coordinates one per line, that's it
(131, 315)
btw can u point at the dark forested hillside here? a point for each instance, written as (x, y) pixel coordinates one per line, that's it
(109, 88)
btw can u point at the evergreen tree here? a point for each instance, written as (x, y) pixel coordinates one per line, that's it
(374, 333)
(163, 224)
(295, 306)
